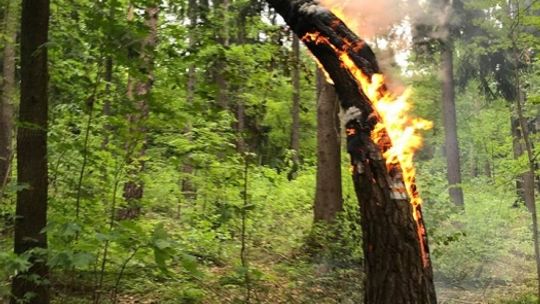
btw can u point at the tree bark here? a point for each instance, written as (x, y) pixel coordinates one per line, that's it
(397, 263)
(142, 88)
(451, 143)
(328, 192)
(31, 209)
(8, 92)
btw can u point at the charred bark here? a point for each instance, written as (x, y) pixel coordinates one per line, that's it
(328, 192)
(31, 209)
(397, 263)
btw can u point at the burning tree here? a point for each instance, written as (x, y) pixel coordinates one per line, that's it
(381, 141)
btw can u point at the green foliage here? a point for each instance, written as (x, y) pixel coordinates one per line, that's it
(526, 299)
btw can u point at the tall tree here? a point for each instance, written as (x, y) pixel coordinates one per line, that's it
(524, 129)
(221, 7)
(108, 77)
(451, 142)
(525, 182)
(241, 118)
(397, 263)
(8, 91)
(31, 209)
(139, 92)
(188, 189)
(328, 193)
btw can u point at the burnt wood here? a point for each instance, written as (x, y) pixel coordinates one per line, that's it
(397, 264)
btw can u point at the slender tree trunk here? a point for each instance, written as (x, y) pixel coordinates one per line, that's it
(108, 77)
(328, 193)
(141, 88)
(242, 145)
(487, 168)
(451, 143)
(397, 262)
(188, 189)
(525, 181)
(31, 209)
(295, 109)
(222, 97)
(474, 161)
(8, 92)
(531, 161)
(532, 167)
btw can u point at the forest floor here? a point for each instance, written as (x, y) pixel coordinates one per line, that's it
(287, 281)
(446, 295)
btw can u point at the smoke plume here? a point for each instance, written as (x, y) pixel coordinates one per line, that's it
(372, 18)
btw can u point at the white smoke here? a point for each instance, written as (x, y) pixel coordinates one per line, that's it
(374, 18)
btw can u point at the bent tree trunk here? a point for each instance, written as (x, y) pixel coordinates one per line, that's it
(31, 210)
(397, 263)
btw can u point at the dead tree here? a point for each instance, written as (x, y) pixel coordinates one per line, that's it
(397, 263)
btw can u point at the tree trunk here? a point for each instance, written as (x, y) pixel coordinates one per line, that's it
(222, 97)
(525, 181)
(450, 124)
(295, 109)
(108, 77)
(528, 147)
(397, 263)
(141, 88)
(31, 209)
(328, 193)
(188, 188)
(241, 145)
(8, 92)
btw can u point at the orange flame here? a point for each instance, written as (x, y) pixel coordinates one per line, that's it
(395, 119)
(397, 131)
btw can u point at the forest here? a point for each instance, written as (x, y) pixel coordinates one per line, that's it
(269, 151)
